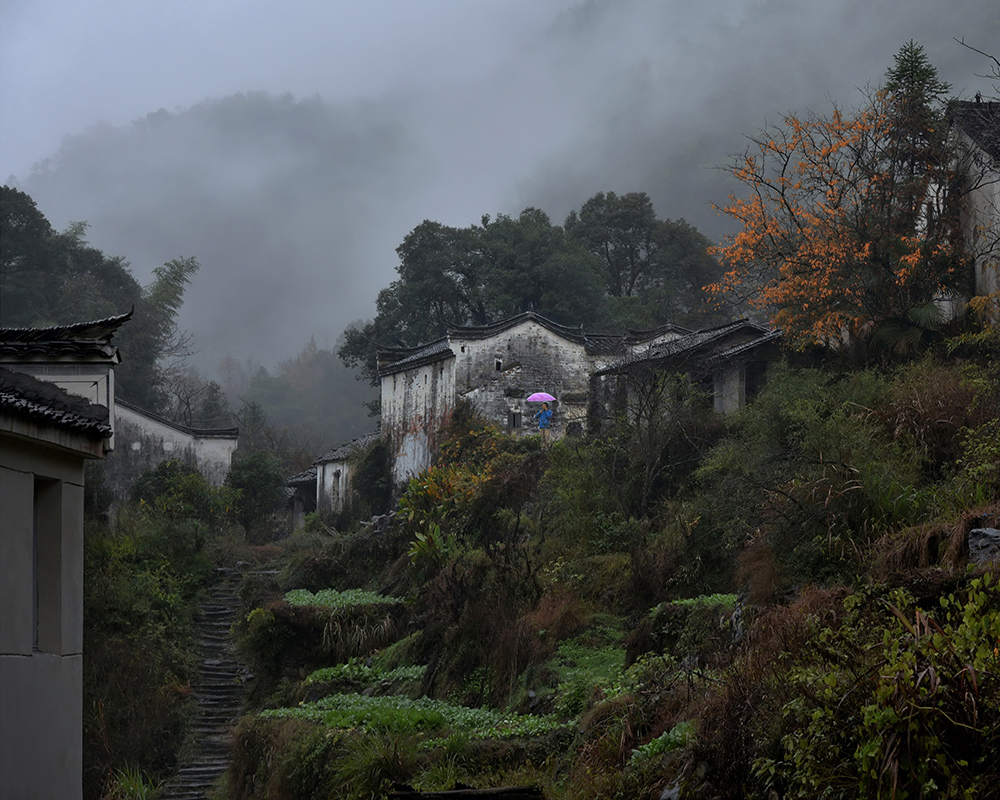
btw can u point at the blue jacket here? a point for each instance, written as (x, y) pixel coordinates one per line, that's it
(544, 418)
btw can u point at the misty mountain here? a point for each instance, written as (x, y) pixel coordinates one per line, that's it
(294, 203)
(276, 196)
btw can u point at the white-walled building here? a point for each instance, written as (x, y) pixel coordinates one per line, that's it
(495, 368)
(977, 124)
(49, 428)
(334, 472)
(144, 440)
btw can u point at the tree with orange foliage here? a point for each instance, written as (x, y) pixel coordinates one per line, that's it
(851, 228)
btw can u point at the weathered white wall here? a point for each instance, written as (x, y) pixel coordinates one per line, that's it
(531, 358)
(144, 441)
(415, 404)
(333, 480)
(983, 228)
(729, 389)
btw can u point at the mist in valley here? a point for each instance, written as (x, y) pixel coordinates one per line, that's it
(291, 148)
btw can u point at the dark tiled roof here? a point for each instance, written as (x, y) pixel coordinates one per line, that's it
(342, 452)
(611, 344)
(701, 345)
(486, 331)
(201, 433)
(303, 478)
(40, 401)
(605, 344)
(638, 337)
(82, 340)
(699, 339)
(739, 350)
(418, 357)
(980, 122)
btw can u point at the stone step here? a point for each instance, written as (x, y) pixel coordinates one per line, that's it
(219, 691)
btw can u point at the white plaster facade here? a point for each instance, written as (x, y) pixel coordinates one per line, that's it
(416, 402)
(495, 368)
(978, 127)
(145, 440)
(984, 231)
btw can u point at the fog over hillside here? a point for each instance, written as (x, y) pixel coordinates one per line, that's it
(291, 148)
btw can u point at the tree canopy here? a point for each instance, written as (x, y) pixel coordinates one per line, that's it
(51, 278)
(612, 265)
(851, 223)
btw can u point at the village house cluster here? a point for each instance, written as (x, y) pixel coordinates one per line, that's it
(494, 368)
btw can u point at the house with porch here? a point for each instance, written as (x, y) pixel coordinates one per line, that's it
(729, 361)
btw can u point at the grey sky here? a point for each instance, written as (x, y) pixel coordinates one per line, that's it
(439, 109)
(65, 64)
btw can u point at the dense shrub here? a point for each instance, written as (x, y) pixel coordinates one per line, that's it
(258, 483)
(521, 568)
(283, 758)
(178, 491)
(874, 696)
(809, 471)
(141, 579)
(372, 481)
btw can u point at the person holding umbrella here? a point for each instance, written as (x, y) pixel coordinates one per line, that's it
(544, 416)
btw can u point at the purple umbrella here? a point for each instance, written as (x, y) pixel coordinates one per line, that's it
(540, 397)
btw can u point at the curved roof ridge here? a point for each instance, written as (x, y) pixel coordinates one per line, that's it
(231, 432)
(484, 331)
(95, 330)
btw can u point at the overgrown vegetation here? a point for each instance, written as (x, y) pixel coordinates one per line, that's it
(792, 611)
(780, 603)
(145, 568)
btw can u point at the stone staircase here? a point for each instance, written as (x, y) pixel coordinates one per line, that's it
(219, 690)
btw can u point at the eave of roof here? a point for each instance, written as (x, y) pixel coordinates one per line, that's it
(40, 401)
(347, 450)
(428, 354)
(303, 478)
(79, 340)
(739, 351)
(201, 433)
(695, 345)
